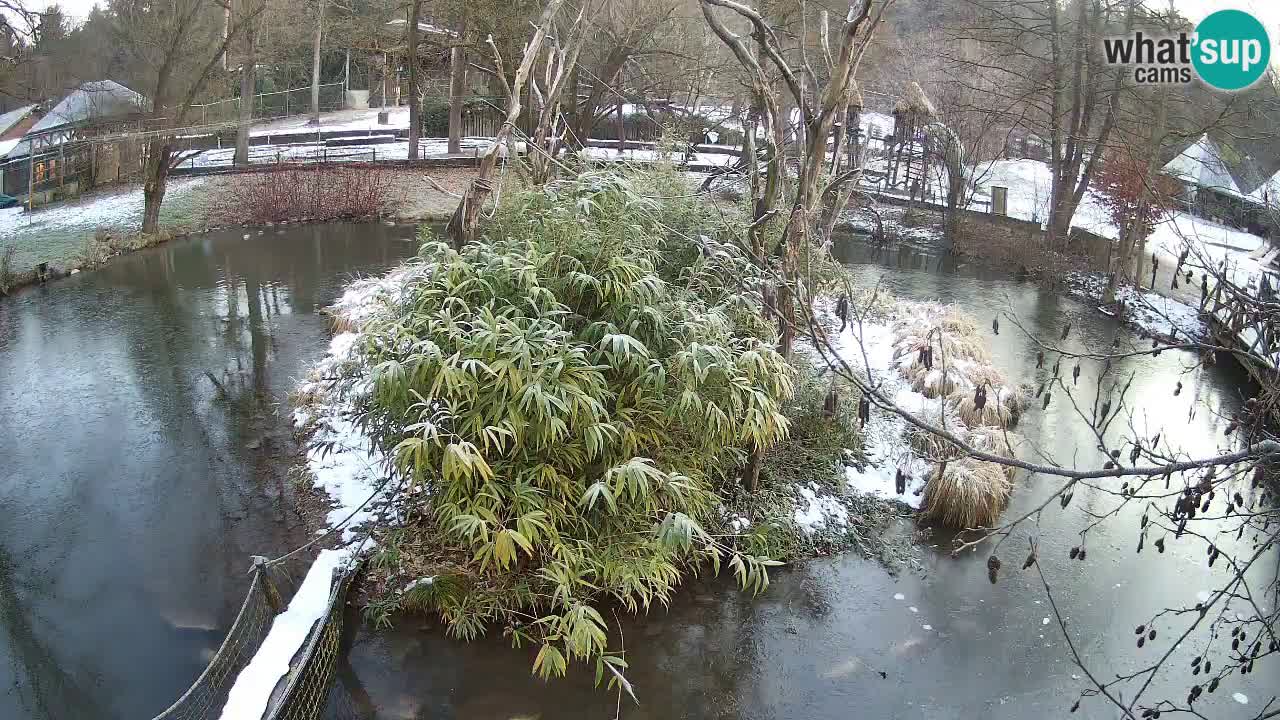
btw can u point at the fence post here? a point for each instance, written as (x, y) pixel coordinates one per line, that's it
(260, 568)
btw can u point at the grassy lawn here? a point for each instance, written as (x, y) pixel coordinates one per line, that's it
(57, 234)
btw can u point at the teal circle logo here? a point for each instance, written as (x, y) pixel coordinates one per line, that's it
(1231, 50)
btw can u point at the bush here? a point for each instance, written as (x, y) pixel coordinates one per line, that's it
(435, 118)
(307, 193)
(7, 277)
(566, 397)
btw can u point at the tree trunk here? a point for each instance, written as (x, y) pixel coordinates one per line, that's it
(751, 473)
(154, 183)
(462, 225)
(457, 88)
(622, 129)
(315, 65)
(415, 106)
(248, 75)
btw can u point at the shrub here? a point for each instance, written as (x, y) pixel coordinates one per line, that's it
(7, 278)
(434, 118)
(565, 398)
(306, 193)
(966, 493)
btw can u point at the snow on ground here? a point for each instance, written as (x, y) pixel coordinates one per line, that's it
(1146, 309)
(884, 439)
(869, 352)
(57, 234)
(319, 151)
(343, 460)
(253, 687)
(1212, 243)
(815, 510)
(1161, 315)
(642, 155)
(339, 120)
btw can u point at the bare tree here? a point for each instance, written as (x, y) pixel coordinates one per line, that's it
(462, 225)
(1046, 63)
(457, 88)
(560, 64)
(175, 48)
(315, 64)
(248, 88)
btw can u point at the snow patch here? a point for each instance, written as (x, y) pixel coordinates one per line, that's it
(249, 696)
(1240, 698)
(420, 582)
(814, 510)
(341, 457)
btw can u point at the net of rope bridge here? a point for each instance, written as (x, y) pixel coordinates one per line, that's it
(302, 693)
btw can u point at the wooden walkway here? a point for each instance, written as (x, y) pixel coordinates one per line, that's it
(1247, 320)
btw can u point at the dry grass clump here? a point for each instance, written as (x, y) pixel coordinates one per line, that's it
(967, 493)
(954, 345)
(940, 351)
(1002, 409)
(340, 322)
(997, 441)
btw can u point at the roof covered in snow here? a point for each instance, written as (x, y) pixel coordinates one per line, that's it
(13, 117)
(93, 101)
(1205, 165)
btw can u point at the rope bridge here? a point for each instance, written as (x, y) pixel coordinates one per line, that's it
(307, 691)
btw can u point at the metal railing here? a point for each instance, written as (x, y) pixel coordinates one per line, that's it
(281, 103)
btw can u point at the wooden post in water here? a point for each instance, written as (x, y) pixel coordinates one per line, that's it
(268, 587)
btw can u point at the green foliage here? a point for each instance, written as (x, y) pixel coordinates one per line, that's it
(567, 398)
(434, 116)
(812, 453)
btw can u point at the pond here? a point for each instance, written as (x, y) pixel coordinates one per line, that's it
(135, 488)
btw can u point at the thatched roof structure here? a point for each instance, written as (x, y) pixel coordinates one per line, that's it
(915, 103)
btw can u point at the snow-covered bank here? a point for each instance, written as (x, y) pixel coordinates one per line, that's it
(1029, 184)
(341, 457)
(57, 234)
(885, 436)
(1146, 310)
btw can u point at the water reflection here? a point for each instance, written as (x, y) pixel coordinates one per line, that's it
(828, 640)
(146, 456)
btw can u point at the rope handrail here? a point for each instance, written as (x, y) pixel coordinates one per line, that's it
(255, 587)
